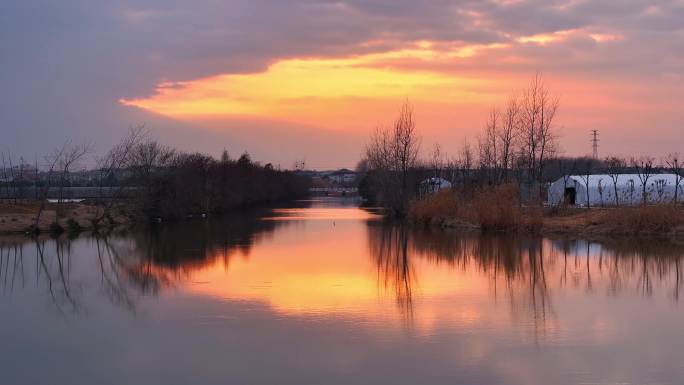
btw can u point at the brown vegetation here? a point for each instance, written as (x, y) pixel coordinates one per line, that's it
(440, 208)
(491, 208)
(497, 208)
(24, 217)
(654, 220)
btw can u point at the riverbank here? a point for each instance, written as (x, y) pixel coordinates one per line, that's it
(20, 217)
(88, 216)
(663, 221)
(499, 211)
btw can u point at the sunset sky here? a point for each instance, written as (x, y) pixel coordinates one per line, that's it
(293, 79)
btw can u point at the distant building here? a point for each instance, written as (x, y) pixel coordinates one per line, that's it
(343, 177)
(572, 190)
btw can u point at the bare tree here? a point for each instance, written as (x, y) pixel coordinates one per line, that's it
(120, 155)
(300, 164)
(587, 169)
(506, 134)
(644, 167)
(71, 155)
(10, 178)
(488, 146)
(465, 162)
(615, 167)
(13, 178)
(406, 145)
(147, 159)
(7, 177)
(21, 178)
(674, 163)
(600, 189)
(4, 175)
(392, 152)
(536, 132)
(52, 161)
(437, 161)
(118, 158)
(660, 186)
(452, 169)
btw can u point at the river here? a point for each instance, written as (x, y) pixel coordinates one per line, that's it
(324, 292)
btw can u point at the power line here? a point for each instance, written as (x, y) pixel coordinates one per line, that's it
(594, 143)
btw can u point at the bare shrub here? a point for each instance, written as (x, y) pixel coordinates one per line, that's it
(653, 219)
(497, 208)
(437, 208)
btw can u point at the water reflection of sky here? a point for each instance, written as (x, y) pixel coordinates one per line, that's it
(328, 293)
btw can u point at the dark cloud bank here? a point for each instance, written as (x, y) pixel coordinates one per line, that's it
(65, 64)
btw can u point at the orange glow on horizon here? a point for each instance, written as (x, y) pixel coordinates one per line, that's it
(323, 92)
(548, 38)
(356, 93)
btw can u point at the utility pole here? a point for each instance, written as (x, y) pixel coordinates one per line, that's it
(594, 143)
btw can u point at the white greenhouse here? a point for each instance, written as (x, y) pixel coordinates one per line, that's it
(572, 190)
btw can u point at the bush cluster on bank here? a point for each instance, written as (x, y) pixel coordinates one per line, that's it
(189, 184)
(491, 208)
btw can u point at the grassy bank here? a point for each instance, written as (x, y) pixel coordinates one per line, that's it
(498, 209)
(57, 218)
(651, 221)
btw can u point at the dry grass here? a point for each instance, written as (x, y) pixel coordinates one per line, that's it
(648, 219)
(444, 205)
(645, 220)
(20, 217)
(18, 208)
(655, 220)
(498, 208)
(495, 208)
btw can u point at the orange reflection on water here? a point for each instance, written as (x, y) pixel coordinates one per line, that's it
(322, 269)
(327, 270)
(344, 262)
(330, 214)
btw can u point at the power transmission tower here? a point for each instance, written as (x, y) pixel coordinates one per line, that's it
(594, 143)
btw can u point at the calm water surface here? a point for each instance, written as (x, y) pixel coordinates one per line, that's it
(326, 293)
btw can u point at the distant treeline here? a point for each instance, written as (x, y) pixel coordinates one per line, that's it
(181, 184)
(142, 178)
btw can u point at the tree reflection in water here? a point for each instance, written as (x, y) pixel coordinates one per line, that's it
(132, 264)
(389, 250)
(518, 262)
(526, 270)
